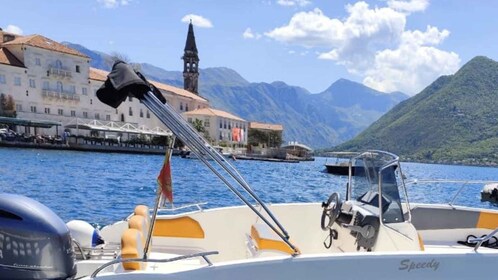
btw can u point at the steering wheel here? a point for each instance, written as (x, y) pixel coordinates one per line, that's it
(331, 209)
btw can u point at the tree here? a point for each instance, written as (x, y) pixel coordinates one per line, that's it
(198, 125)
(3, 104)
(116, 56)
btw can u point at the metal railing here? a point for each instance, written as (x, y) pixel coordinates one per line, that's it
(64, 95)
(60, 72)
(202, 255)
(464, 183)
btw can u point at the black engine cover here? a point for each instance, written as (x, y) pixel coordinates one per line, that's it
(34, 242)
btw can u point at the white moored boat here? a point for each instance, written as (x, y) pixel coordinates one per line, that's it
(373, 233)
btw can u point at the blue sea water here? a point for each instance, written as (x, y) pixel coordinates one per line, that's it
(104, 187)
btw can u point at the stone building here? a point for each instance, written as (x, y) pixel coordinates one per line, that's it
(221, 128)
(50, 81)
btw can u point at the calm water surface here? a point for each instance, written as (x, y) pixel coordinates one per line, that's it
(102, 188)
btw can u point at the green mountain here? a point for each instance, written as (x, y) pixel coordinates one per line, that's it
(454, 120)
(317, 120)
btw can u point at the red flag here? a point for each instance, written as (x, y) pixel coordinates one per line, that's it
(164, 178)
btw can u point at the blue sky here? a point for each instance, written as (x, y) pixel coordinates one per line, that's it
(389, 45)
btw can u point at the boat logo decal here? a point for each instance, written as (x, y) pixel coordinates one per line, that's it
(410, 265)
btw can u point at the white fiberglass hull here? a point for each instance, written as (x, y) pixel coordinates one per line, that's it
(371, 266)
(228, 231)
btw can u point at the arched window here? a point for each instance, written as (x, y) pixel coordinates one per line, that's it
(58, 64)
(59, 87)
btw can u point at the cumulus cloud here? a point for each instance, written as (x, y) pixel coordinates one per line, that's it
(248, 34)
(110, 4)
(198, 21)
(374, 44)
(408, 6)
(292, 3)
(14, 29)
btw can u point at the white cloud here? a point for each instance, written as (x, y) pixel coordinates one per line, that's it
(248, 34)
(110, 4)
(291, 3)
(14, 29)
(197, 20)
(373, 44)
(408, 6)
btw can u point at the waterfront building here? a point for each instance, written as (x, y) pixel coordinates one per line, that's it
(220, 127)
(265, 135)
(50, 81)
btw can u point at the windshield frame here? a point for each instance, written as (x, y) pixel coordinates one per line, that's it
(381, 161)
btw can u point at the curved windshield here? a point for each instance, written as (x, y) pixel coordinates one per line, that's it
(372, 169)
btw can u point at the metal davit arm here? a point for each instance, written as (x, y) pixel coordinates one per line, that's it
(182, 129)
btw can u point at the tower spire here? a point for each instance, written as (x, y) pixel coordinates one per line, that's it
(190, 62)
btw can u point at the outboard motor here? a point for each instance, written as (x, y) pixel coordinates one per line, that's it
(34, 242)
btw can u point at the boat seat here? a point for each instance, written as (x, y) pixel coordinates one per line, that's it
(142, 210)
(265, 239)
(139, 223)
(132, 247)
(182, 227)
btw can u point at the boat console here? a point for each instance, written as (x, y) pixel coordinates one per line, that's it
(372, 213)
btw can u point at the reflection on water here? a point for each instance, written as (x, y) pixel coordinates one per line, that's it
(102, 188)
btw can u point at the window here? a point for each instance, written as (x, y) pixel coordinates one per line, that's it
(97, 116)
(32, 83)
(2, 79)
(130, 112)
(141, 113)
(84, 91)
(77, 68)
(186, 107)
(47, 110)
(59, 87)
(72, 89)
(18, 107)
(60, 112)
(58, 64)
(206, 122)
(46, 85)
(85, 115)
(33, 109)
(91, 101)
(130, 99)
(221, 124)
(181, 106)
(107, 117)
(17, 81)
(148, 114)
(225, 124)
(73, 113)
(37, 61)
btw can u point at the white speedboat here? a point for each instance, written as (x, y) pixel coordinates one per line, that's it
(373, 233)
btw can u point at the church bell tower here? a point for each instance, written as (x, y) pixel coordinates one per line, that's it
(190, 62)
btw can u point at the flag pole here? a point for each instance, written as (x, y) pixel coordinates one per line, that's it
(169, 149)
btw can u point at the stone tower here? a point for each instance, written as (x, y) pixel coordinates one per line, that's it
(190, 62)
